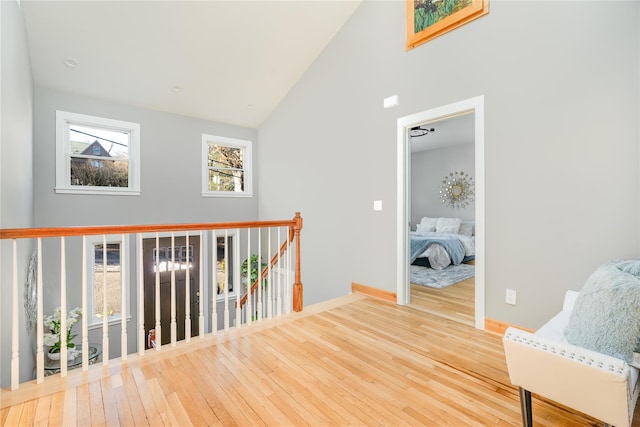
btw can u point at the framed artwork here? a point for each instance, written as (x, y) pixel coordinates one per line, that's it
(428, 19)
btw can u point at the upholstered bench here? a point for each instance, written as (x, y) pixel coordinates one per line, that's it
(604, 386)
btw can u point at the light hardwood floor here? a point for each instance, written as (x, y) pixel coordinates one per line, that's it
(356, 360)
(455, 302)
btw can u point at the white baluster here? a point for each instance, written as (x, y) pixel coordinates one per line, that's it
(270, 281)
(105, 309)
(249, 278)
(187, 294)
(174, 325)
(214, 286)
(226, 280)
(85, 317)
(287, 281)
(201, 286)
(141, 334)
(279, 275)
(123, 299)
(157, 293)
(15, 341)
(63, 309)
(259, 304)
(39, 319)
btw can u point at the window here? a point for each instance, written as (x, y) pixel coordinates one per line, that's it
(164, 262)
(226, 167)
(222, 264)
(95, 155)
(105, 269)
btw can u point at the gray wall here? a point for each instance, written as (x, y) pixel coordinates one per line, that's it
(16, 180)
(428, 169)
(170, 182)
(170, 185)
(170, 176)
(561, 88)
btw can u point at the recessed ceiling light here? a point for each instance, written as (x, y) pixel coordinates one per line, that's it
(176, 89)
(71, 63)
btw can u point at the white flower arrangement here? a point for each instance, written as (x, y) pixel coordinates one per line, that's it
(52, 338)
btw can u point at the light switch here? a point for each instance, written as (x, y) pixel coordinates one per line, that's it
(377, 205)
(391, 101)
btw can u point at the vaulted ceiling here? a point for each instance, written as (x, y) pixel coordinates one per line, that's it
(227, 61)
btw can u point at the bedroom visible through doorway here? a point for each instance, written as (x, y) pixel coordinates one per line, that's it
(475, 107)
(442, 217)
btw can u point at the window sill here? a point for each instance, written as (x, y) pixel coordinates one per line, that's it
(227, 194)
(112, 322)
(220, 297)
(106, 191)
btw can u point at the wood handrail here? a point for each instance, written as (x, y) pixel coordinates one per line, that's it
(294, 233)
(26, 233)
(295, 225)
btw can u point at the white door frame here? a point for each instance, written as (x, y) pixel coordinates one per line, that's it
(475, 105)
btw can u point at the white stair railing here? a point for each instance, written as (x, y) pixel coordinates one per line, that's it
(273, 291)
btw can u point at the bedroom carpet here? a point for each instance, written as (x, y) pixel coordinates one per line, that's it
(440, 279)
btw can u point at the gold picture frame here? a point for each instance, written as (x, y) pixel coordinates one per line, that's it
(428, 19)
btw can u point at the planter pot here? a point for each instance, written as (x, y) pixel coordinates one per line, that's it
(71, 353)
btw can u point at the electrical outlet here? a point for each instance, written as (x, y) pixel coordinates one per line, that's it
(511, 297)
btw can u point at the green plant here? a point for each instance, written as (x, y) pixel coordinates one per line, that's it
(52, 338)
(255, 270)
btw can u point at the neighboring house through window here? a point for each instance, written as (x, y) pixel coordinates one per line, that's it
(95, 155)
(226, 167)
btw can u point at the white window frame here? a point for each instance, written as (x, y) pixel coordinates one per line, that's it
(63, 154)
(95, 322)
(247, 165)
(235, 255)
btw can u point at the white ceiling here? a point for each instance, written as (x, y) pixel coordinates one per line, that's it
(227, 61)
(452, 131)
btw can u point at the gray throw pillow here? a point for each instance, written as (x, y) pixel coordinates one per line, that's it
(631, 266)
(606, 315)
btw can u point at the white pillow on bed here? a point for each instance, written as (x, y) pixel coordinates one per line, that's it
(423, 229)
(448, 225)
(427, 224)
(466, 228)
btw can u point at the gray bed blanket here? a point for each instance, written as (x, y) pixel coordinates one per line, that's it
(453, 246)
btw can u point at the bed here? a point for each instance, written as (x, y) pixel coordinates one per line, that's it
(440, 242)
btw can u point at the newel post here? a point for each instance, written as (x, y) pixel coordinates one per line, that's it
(297, 285)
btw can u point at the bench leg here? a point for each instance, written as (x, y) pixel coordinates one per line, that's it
(525, 407)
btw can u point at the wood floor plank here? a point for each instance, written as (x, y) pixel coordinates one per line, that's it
(83, 408)
(27, 416)
(159, 398)
(123, 409)
(96, 405)
(179, 414)
(207, 388)
(130, 393)
(223, 394)
(358, 361)
(42, 411)
(13, 415)
(150, 409)
(182, 379)
(69, 417)
(56, 409)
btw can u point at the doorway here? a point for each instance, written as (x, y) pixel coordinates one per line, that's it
(158, 258)
(475, 106)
